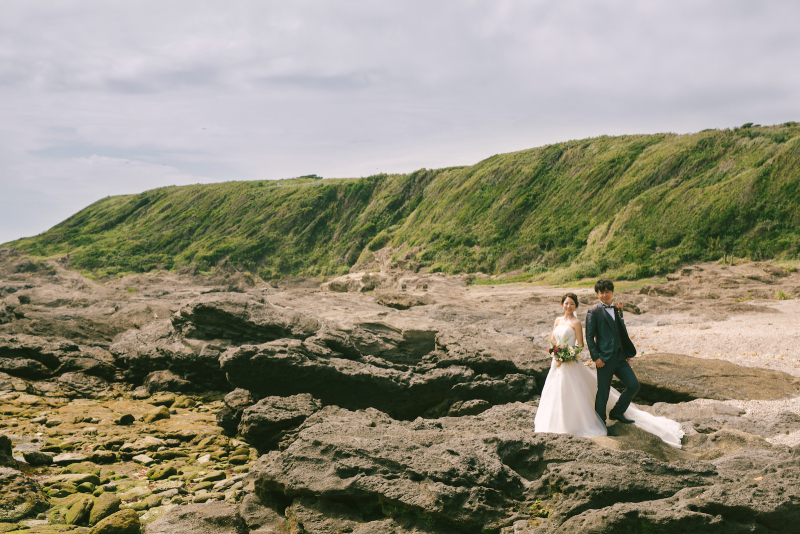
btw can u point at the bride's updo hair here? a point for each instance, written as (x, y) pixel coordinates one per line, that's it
(570, 296)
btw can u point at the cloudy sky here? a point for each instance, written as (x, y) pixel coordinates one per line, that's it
(102, 98)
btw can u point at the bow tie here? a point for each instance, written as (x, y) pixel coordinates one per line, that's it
(609, 306)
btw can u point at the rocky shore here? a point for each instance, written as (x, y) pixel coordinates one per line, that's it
(380, 402)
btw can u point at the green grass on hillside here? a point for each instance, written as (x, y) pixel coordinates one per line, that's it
(629, 207)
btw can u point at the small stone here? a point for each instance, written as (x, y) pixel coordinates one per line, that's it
(103, 457)
(37, 458)
(204, 459)
(137, 493)
(124, 420)
(52, 422)
(161, 472)
(140, 393)
(203, 486)
(39, 420)
(51, 445)
(155, 415)
(162, 399)
(122, 522)
(143, 459)
(239, 460)
(204, 497)
(183, 402)
(213, 476)
(169, 485)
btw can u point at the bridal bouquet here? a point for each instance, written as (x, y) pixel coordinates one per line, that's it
(564, 353)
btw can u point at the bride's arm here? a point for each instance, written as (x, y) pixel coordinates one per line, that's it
(553, 333)
(579, 333)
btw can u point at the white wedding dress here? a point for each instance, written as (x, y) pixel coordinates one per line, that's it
(567, 402)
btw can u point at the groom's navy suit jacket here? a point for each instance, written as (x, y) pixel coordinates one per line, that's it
(605, 338)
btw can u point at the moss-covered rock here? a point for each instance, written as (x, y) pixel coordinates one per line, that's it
(183, 402)
(150, 502)
(122, 522)
(104, 506)
(78, 513)
(20, 496)
(161, 412)
(160, 472)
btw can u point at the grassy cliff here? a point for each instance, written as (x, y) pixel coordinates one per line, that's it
(628, 206)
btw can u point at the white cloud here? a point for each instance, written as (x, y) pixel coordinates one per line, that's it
(189, 91)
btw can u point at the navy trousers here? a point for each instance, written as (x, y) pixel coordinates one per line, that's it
(622, 370)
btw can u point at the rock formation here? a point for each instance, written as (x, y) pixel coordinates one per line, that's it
(379, 403)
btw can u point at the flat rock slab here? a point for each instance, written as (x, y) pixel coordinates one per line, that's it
(69, 458)
(681, 378)
(207, 518)
(142, 459)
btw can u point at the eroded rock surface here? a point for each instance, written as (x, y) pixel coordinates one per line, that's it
(678, 378)
(403, 402)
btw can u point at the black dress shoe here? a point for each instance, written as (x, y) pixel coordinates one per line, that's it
(611, 431)
(621, 419)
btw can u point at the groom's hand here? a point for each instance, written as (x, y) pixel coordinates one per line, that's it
(628, 360)
(599, 363)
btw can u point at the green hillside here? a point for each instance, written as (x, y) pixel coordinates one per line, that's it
(628, 206)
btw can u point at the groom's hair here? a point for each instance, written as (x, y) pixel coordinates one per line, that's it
(603, 285)
(572, 296)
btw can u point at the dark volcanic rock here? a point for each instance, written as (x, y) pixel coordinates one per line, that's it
(82, 385)
(37, 458)
(166, 381)
(598, 479)
(36, 358)
(405, 346)
(366, 382)
(6, 456)
(241, 318)
(756, 491)
(678, 378)
(35, 348)
(89, 366)
(158, 347)
(24, 368)
(264, 423)
(235, 403)
(308, 368)
(458, 472)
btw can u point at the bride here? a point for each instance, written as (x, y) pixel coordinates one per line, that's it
(567, 402)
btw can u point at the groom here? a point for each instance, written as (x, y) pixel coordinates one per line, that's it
(611, 350)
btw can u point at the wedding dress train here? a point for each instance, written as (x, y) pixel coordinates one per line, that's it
(567, 402)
